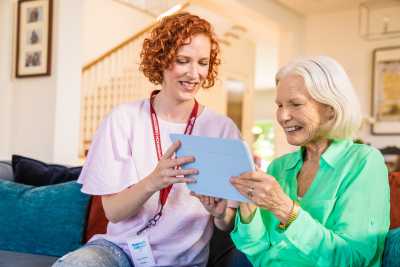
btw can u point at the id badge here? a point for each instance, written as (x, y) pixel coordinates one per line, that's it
(141, 253)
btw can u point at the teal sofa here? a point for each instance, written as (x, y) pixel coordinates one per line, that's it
(36, 236)
(38, 224)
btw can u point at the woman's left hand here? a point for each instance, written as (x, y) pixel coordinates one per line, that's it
(215, 206)
(264, 191)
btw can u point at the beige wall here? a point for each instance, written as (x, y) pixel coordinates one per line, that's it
(43, 111)
(239, 64)
(336, 35)
(6, 19)
(40, 116)
(107, 23)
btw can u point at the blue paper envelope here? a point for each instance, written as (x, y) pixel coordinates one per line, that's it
(217, 160)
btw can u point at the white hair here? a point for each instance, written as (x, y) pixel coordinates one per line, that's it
(327, 83)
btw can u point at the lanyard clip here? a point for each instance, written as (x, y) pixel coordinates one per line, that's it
(152, 222)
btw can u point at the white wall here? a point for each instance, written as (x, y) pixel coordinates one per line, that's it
(282, 47)
(291, 27)
(68, 81)
(39, 116)
(37, 126)
(237, 63)
(107, 23)
(336, 35)
(264, 105)
(6, 20)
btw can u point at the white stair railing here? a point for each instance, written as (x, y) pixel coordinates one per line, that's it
(107, 82)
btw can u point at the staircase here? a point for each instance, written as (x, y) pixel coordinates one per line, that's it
(114, 77)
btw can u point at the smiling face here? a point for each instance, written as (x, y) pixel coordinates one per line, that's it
(303, 119)
(190, 68)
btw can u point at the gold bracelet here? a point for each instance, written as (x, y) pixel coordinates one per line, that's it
(294, 213)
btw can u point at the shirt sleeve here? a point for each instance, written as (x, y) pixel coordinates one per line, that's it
(361, 220)
(109, 167)
(230, 130)
(252, 238)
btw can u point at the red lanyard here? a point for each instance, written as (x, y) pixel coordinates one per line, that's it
(157, 142)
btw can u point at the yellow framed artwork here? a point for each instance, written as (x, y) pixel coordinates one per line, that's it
(386, 91)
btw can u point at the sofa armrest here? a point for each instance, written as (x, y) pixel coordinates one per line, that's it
(10, 258)
(6, 172)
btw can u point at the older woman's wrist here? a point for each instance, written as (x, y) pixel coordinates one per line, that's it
(283, 211)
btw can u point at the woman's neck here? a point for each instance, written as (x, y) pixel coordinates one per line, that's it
(315, 149)
(172, 110)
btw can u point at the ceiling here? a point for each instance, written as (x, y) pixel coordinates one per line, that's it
(310, 7)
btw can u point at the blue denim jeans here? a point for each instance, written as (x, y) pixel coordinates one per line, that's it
(99, 253)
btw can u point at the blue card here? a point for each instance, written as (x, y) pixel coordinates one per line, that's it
(217, 160)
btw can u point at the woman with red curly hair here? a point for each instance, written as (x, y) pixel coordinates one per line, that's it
(154, 219)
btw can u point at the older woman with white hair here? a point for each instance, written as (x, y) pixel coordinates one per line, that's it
(326, 204)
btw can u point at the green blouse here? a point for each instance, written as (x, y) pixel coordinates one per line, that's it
(344, 215)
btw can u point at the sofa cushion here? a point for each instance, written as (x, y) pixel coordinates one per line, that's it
(6, 172)
(47, 220)
(13, 259)
(37, 173)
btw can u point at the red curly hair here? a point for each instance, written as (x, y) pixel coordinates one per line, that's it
(160, 49)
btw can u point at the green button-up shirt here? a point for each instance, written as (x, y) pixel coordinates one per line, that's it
(344, 215)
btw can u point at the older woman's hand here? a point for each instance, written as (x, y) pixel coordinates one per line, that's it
(265, 192)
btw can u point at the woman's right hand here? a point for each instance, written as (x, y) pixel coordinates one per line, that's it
(165, 173)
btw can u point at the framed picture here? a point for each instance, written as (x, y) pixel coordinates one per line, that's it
(386, 91)
(34, 26)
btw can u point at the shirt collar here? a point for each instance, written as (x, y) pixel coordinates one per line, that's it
(296, 157)
(330, 156)
(335, 151)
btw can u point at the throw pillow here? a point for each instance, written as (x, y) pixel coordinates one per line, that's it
(47, 220)
(394, 182)
(96, 221)
(37, 173)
